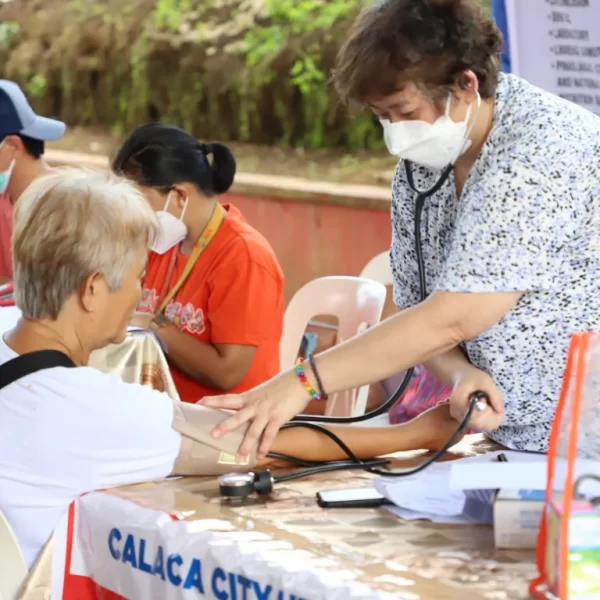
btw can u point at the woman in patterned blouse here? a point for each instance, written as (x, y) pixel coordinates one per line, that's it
(510, 241)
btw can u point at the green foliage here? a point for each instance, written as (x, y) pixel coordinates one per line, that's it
(8, 32)
(169, 13)
(37, 86)
(287, 56)
(224, 69)
(292, 19)
(304, 27)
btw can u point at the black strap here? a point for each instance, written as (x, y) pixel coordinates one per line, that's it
(29, 363)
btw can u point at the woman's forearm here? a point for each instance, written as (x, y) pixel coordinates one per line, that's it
(446, 366)
(429, 431)
(196, 359)
(410, 337)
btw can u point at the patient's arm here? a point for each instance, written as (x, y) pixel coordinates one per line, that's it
(430, 431)
(201, 454)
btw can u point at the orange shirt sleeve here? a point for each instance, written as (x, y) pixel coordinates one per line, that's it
(245, 303)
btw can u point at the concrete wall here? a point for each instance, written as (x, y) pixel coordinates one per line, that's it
(313, 239)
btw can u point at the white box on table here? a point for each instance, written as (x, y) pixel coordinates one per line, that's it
(517, 515)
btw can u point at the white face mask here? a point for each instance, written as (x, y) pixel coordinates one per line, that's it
(171, 230)
(432, 145)
(5, 175)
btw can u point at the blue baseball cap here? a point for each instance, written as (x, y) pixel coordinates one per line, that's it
(17, 116)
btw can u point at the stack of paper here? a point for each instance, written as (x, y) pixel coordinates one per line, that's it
(442, 494)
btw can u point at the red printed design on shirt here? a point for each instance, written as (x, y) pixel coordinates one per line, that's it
(186, 317)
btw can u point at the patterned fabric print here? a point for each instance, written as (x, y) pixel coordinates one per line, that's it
(185, 316)
(139, 359)
(528, 220)
(424, 392)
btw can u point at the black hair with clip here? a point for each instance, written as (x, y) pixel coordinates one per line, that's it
(161, 156)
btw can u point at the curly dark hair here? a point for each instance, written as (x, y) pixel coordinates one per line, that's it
(426, 42)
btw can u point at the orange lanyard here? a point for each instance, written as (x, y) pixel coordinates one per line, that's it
(206, 237)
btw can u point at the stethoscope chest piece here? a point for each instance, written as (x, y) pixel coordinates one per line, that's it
(237, 487)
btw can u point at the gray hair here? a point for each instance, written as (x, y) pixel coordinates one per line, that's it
(69, 225)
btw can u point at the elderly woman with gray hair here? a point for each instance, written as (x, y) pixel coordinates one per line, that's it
(79, 249)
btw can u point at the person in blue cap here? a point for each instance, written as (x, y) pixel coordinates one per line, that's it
(22, 143)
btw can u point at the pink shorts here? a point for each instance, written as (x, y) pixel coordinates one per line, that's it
(424, 392)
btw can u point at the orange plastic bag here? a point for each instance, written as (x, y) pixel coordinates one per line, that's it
(568, 551)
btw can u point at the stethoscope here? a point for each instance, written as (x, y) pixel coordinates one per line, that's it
(238, 486)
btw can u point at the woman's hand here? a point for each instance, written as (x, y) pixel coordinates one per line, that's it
(266, 408)
(467, 381)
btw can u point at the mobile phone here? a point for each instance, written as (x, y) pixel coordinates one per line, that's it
(365, 497)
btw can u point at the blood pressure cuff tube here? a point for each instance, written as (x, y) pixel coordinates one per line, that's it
(200, 453)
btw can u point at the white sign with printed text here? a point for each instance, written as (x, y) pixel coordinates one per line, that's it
(555, 44)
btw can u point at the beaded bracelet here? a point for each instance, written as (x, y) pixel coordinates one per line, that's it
(313, 366)
(304, 381)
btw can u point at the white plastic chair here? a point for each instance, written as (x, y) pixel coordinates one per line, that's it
(356, 302)
(379, 269)
(13, 568)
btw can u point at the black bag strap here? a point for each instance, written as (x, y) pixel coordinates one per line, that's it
(29, 363)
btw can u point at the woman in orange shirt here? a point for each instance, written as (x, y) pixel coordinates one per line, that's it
(213, 291)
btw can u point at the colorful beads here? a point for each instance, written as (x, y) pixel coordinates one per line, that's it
(304, 381)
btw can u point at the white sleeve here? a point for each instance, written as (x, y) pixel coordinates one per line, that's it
(138, 443)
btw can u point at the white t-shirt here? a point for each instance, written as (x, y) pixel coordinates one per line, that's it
(64, 432)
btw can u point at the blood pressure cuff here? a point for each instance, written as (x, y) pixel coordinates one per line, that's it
(200, 453)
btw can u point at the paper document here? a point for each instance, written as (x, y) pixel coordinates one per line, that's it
(428, 495)
(409, 515)
(427, 492)
(431, 495)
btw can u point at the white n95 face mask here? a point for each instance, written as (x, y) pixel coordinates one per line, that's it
(432, 145)
(171, 230)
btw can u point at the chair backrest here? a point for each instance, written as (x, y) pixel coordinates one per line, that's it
(13, 568)
(379, 269)
(356, 302)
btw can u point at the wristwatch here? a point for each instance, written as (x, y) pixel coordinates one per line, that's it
(159, 321)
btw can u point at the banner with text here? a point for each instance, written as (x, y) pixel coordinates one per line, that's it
(109, 548)
(555, 44)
